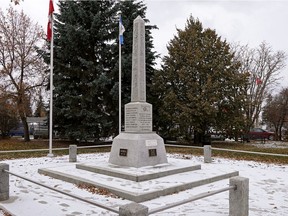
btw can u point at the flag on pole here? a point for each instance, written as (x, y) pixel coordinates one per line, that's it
(258, 81)
(121, 31)
(49, 26)
(51, 39)
(121, 42)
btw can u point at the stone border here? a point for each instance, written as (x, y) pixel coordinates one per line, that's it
(136, 177)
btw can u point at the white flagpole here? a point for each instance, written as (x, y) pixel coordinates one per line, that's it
(119, 75)
(51, 91)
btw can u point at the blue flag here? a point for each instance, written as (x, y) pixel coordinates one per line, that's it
(121, 31)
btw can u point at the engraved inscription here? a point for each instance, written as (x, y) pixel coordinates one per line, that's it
(123, 152)
(145, 117)
(138, 117)
(152, 152)
(131, 117)
(144, 120)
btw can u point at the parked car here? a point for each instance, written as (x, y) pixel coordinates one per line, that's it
(19, 130)
(217, 136)
(41, 131)
(259, 133)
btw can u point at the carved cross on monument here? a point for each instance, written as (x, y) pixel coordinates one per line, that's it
(138, 146)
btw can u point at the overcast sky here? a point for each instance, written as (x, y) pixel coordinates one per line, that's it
(245, 22)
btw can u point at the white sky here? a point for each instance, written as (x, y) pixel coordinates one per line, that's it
(244, 22)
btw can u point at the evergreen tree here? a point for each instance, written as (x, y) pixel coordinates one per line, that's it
(86, 65)
(199, 86)
(40, 108)
(8, 116)
(83, 42)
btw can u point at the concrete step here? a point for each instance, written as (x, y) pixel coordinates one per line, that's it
(138, 174)
(144, 190)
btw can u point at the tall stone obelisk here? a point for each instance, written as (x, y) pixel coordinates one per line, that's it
(138, 146)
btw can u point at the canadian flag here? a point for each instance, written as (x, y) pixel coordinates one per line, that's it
(258, 81)
(50, 17)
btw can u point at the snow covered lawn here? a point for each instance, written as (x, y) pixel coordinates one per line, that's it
(268, 190)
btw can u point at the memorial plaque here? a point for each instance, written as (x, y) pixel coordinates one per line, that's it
(123, 152)
(152, 152)
(138, 117)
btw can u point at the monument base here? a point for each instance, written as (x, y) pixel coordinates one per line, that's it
(138, 150)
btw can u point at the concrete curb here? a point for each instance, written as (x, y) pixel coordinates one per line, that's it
(134, 196)
(136, 177)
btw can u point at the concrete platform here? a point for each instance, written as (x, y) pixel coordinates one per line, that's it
(143, 190)
(137, 174)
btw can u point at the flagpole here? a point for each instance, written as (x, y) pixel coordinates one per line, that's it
(51, 91)
(120, 83)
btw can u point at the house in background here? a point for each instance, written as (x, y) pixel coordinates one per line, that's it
(39, 125)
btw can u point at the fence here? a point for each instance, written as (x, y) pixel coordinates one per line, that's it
(229, 150)
(54, 149)
(169, 145)
(238, 196)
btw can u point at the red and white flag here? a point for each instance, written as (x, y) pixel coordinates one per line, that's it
(50, 17)
(258, 81)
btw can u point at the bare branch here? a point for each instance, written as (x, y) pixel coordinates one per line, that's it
(22, 70)
(264, 66)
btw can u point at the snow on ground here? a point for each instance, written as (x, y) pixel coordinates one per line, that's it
(268, 184)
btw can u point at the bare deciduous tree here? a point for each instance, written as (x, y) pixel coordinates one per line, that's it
(22, 69)
(16, 2)
(275, 112)
(263, 66)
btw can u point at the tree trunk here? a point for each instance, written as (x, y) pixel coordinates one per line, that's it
(26, 128)
(197, 137)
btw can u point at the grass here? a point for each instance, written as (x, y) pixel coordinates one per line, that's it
(238, 155)
(19, 144)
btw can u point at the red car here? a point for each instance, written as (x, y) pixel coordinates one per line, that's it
(259, 133)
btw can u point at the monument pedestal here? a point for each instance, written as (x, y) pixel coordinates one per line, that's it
(138, 150)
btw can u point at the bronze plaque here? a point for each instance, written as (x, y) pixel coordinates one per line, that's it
(123, 152)
(152, 152)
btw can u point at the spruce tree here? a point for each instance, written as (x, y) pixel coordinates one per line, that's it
(199, 86)
(40, 108)
(82, 58)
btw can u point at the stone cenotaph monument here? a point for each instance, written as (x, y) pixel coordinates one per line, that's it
(138, 146)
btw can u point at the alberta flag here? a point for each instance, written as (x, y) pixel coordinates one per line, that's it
(121, 31)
